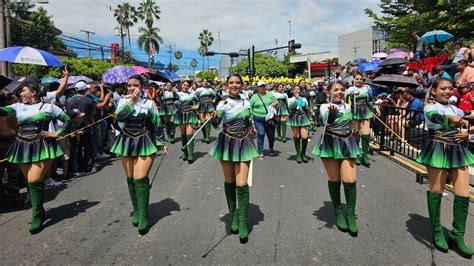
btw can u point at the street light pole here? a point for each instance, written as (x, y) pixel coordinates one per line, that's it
(220, 51)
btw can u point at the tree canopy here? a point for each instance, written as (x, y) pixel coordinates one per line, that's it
(265, 65)
(403, 17)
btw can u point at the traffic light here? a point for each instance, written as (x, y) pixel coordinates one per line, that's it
(292, 46)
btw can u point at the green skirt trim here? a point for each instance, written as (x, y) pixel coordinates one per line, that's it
(446, 156)
(362, 114)
(125, 145)
(337, 148)
(295, 120)
(234, 150)
(34, 151)
(181, 118)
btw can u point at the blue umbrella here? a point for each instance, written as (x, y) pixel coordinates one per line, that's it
(359, 60)
(171, 75)
(368, 66)
(436, 36)
(48, 80)
(28, 55)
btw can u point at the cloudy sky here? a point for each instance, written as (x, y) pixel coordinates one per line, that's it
(315, 24)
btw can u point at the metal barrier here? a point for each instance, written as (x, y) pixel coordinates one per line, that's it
(409, 124)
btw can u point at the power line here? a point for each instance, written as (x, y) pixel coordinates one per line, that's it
(81, 40)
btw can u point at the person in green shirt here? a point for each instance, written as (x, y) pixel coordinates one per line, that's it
(260, 104)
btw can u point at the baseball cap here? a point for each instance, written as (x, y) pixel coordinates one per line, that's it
(81, 85)
(260, 83)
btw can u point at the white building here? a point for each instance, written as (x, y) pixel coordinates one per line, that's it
(361, 44)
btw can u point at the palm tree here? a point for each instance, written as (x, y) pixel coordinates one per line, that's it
(148, 10)
(149, 40)
(206, 39)
(202, 52)
(126, 15)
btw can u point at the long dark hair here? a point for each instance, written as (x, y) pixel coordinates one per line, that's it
(234, 75)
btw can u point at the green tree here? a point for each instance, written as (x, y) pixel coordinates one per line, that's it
(93, 69)
(265, 65)
(206, 39)
(149, 40)
(206, 75)
(126, 16)
(148, 11)
(403, 17)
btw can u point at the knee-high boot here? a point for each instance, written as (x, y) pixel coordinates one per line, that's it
(298, 149)
(365, 148)
(279, 128)
(36, 191)
(133, 198)
(142, 190)
(350, 190)
(434, 210)
(456, 235)
(190, 148)
(304, 144)
(283, 131)
(172, 128)
(243, 196)
(358, 158)
(207, 139)
(335, 194)
(184, 141)
(231, 197)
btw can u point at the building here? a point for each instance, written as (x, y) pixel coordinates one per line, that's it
(361, 44)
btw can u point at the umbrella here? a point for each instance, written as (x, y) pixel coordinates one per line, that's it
(28, 55)
(359, 60)
(157, 76)
(140, 70)
(426, 64)
(171, 75)
(396, 80)
(48, 80)
(378, 61)
(380, 55)
(368, 67)
(399, 54)
(76, 79)
(118, 74)
(436, 36)
(4, 81)
(393, 62)
(17, 83)
(393, 50)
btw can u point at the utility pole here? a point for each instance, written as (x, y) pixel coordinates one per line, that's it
(88, 39)
(170, 47)
(355, 47)
(220, 51)
(289, 26)
(102, 52)
(4, 70)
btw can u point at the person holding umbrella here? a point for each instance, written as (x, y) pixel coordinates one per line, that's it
(299, 119)
(338, 149)
(35, 147)
(361, 106)
(235, 149)
(140, 139)
(206, 96)
(168, 109)
(447, 152)
(185, 117)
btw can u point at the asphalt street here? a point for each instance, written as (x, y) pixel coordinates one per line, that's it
(291, 218)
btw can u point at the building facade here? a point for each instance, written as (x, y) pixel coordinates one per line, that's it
(361, 44)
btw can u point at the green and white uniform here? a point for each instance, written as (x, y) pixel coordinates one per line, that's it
(185, 113)
(247, 94)
(338, 141)
(442, 151)
(206, 97)
(234, 142)
(361, 104)
(168, 105)
(299, 112)
(141, 133)
(30, 146)
(282, 106)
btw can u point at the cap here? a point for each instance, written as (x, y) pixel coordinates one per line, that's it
(261, 83)
(81, 85)
(383, 94)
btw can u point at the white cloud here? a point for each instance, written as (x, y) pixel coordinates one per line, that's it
(314, 23)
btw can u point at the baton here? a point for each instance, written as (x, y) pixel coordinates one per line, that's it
(195, 134)
(326, 123)
(156, 172)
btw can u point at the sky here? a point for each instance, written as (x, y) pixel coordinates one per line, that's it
(315, 24)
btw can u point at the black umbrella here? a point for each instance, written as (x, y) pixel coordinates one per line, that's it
(381, 86)
(396, 80)
(19, 82)
(157, 76)
(393, 62)
(4, 81)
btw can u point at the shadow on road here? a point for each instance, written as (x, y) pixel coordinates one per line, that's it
(197, 155)
(160, 210)
(420, 228)
(326, 214)
(255, 217)
(58, 214)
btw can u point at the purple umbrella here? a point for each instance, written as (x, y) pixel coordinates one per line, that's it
(76, 79)
(393, 50)
(399, 54)
(118, 74)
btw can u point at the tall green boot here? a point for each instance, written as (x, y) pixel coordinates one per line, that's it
(190, 149)
(231, 198)
(207, 139)
(350, 190)
(283, 131)
(298, 149)
(133, 197)
(204, 134)
(456, 235)
(335, 194)
(304, 144)
(365, 148)
(243, 195)
(172, 128)
(279, 130)
(434, 210)
(184, 141)
(142, 190)
(358, 158)
(36, 191)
